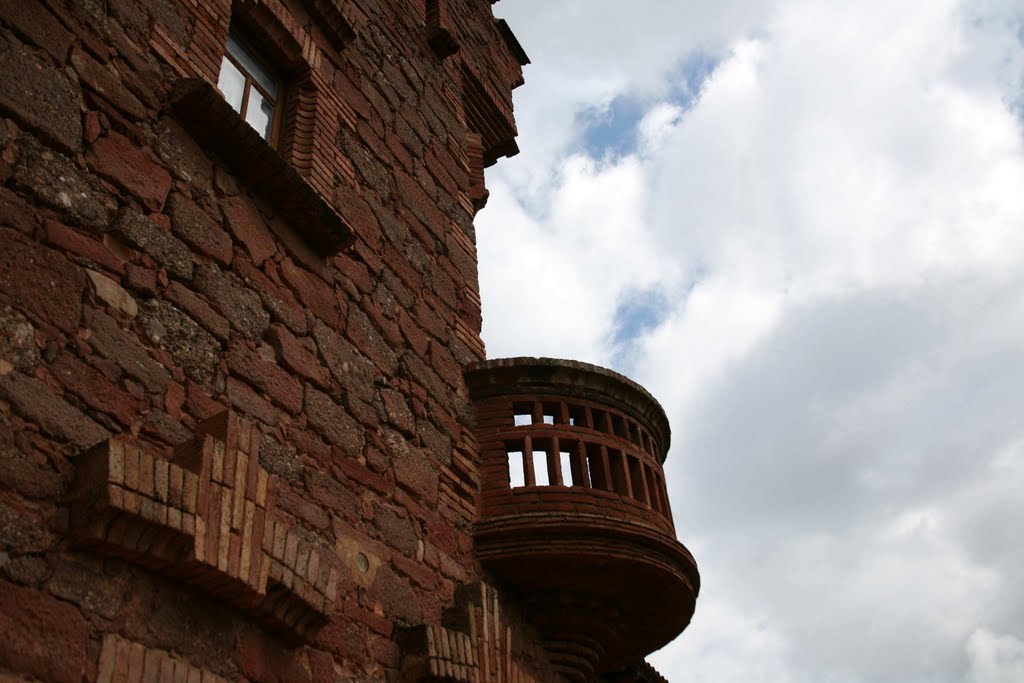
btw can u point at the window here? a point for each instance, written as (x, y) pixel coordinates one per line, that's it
(250, 87)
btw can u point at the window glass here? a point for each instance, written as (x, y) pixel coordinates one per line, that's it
(260, 113)
(248, 62)
(231, 84)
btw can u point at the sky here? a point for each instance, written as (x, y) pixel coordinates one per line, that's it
(800, 225)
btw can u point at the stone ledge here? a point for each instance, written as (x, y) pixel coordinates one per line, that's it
(219, 129)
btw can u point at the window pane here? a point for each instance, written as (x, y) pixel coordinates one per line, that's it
(232, 84)
(260, 113)
(252, 65)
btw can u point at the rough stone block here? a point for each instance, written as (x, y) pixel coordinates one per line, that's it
(40, 95)
(117, 159)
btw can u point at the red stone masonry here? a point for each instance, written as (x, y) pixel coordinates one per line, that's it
(236, 440)
(159, 266)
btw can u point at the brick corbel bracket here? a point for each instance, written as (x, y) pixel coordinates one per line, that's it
(207, 517)
(480, 645)
(338, 19)
(440, 35)
(220, 130)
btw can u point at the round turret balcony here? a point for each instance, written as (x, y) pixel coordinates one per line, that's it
(574, 512)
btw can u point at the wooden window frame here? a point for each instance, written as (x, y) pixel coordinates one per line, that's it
(251, 82)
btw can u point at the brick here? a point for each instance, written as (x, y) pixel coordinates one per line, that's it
(117, 159)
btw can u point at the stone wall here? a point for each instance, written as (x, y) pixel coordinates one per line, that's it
(158, 267)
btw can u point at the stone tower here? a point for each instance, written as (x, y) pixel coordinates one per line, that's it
(247, 427)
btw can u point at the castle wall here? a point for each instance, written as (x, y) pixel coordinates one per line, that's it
(157, 269)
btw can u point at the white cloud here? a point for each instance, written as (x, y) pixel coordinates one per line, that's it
(837, 225)
(995, 658)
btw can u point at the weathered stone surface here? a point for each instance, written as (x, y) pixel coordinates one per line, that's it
(366, 337)
(18, 349)
(198, 309)
(41, 636)
(353, 370)
(21, 531)
(248, 227)
(36, 402)
(106, 83)
(197, 229)
(93, 388)
(30, 19)
(124, 349)
(395, 530)
(118, 160)
(40, 281)
(147, 236)
(295, 356)
(397, 410)
(86, 587)
(413, 469)
(191, 347)
(261, 658)
(239, 305)
(57, 183)
(39, 95)
(314, 293)
(280, 459)
(184, 157)
(333, 422)
(80, 244)
(29, 479)
(395, 596)
(280, 386)
(112, 294)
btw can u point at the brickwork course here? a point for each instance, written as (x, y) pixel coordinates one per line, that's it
(247, 427)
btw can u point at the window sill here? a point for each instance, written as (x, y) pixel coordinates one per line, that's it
(219, 129)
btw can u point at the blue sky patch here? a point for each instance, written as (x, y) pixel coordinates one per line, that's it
(611, 130)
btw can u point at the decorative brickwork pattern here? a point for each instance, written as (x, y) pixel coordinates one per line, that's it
(122, 661)
(487, 652)
(207, 517)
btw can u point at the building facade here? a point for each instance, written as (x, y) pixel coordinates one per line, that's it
(248, 430)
